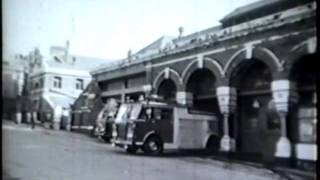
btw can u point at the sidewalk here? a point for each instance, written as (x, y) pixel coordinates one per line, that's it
(285, 172)
(12, 122)
(9, 124)
(42, 129)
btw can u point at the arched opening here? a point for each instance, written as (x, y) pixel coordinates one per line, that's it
(258, 124)
(202, 85)
(167, 90)
(303, 116)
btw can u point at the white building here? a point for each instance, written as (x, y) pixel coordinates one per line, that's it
(55, 82)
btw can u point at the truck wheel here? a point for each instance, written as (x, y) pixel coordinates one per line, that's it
(93, 131)
(106, 139)
(153, 146)
(213, 144)
(132, 149)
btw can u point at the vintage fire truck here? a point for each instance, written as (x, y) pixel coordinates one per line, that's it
(154, 126)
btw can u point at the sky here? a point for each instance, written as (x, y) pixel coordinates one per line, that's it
(104, 28)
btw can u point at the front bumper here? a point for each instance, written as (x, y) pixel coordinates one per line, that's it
(124, 143)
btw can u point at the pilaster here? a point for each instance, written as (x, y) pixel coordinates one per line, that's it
(184, 98)
(18, 117)
(283, 93)
(227, 98)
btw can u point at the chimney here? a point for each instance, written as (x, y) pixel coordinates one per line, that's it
(129, 56)
(67, 50)
(181, 29)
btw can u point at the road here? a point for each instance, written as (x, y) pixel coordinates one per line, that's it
(44, 154)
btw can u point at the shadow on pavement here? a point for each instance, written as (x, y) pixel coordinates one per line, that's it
(6, 176)
(167, 153)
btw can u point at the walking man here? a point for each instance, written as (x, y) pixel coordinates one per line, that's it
(33, 122)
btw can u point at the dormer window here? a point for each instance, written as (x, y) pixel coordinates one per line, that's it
(79, 84)
(57, 82)
(57, 59)
(276, 16)
(193, 40)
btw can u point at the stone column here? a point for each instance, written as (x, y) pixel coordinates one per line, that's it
(148, 73)
(283, 92)
(48, 120)
(18, 117)
(66, 113)
(147, 88)
(28, 117)
(184, 98)
(123, 98)
(227, 97)
(35, 117)
(57, 117)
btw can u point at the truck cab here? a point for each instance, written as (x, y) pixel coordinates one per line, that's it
(154, 126)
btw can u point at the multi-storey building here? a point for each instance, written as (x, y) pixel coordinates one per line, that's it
(13, 79)
(55, 82)
(256, 70)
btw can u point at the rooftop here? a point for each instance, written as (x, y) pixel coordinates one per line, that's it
(76, 62)
(248, 8)
(216, 33)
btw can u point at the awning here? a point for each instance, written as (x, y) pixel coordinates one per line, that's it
(63, 101)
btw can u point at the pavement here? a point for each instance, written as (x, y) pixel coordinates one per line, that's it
(44, 154)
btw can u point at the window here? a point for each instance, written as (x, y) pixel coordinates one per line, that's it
(157, 114)
(57, 82)
(162, 114)
(41, 82)
(166, 114)
(307, 118)
(273, 119)
(79, 84)
(36, 85)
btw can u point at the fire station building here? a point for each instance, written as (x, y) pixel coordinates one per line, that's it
(256, 71)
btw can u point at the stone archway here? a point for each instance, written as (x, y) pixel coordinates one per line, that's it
(307, 47)
(206, 63)
(257, 125)
(258, 53)
(165, 74)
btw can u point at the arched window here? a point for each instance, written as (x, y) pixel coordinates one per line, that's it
(167, 90)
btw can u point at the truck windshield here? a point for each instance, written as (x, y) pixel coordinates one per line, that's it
(128, 111)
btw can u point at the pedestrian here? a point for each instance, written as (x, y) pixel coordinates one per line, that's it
(32, 123)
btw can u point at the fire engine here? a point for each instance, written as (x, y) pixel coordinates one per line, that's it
(154, 126)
